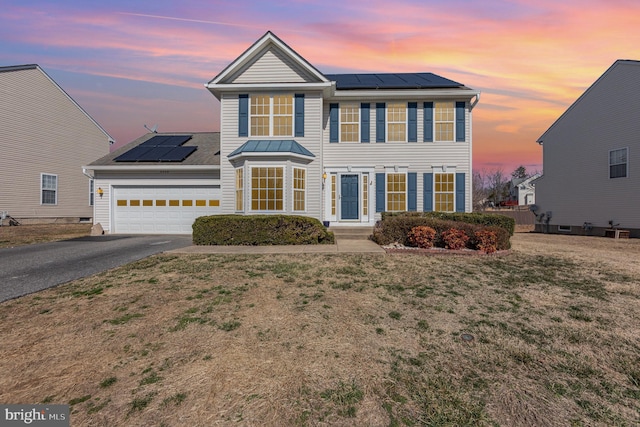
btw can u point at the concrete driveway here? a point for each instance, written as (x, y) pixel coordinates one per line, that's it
(31, 268)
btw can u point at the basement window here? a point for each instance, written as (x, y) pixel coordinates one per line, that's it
(565, 228)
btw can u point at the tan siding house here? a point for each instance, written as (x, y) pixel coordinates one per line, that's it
(45, 138)
(591, 158)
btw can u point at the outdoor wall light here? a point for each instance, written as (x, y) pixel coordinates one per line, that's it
(100, 192)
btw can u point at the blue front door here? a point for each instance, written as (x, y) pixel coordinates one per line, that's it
(349, 197)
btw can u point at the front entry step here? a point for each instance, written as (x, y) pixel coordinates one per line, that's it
(352, 233)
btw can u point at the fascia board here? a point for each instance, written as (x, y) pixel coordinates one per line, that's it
(129, 168)
(404, 94)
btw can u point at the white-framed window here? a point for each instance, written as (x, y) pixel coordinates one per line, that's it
(349, 122)
(365, 194)
(397, 122)
(239, 189)
(48, 189)
(618, 163)
(444, 192)
(267, 188)
(444, 119)
(91, 192)
(396, 191)
(271, 115)
(299, 189)
(333, 194)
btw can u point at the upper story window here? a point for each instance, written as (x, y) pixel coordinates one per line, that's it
(396, 122)
(272, 115)
(49, 189)
(444, 121)
(349, 122)
(618, 160)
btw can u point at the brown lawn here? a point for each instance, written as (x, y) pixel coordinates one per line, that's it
(40, 233)
(340, 340)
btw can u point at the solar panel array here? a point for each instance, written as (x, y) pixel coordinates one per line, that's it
(160, 148)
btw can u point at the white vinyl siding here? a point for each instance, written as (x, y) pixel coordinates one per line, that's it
(311, 140)
(272, 66)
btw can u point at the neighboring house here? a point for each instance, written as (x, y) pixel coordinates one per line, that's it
(591, 158)
(341, 148)
(45, 138)
(523, 190)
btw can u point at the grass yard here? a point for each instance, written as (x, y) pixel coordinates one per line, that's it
(544, 336)
(40, 233)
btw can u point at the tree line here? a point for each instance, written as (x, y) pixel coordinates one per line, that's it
(490, 188)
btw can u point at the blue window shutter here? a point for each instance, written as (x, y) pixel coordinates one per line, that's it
(299, 114)
(413, 122)
(365, 122)
(333, 122)
(460, 192)
(380, 121)
(460, 122)
(412, 186)
(243, 115)
(380, 184)
(428, 122)
(427, 200)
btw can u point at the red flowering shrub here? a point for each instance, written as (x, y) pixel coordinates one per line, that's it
(486, 241)
(422, 236)
(454, 239)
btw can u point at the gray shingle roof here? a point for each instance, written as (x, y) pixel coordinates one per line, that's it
(208, 152)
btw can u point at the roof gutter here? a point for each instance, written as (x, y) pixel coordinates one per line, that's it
(157, 168)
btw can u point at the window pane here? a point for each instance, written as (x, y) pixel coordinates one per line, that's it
(349, 123)
(396, 192)
(266, 188)
(444, 120)
(444, 192)
(396, 122)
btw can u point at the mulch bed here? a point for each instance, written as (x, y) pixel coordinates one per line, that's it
(390, 249)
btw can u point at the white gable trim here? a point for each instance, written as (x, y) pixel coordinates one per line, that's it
(257, 48)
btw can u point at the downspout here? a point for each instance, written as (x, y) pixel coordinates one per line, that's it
(474, 103)
(84, 172)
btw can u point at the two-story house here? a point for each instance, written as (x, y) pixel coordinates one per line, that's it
(341, 148)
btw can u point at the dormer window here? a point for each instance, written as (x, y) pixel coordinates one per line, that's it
(271, 115)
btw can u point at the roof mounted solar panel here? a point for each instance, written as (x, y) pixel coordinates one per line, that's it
(166, 140)
(159, 148)
(178, 154)
(133, 155)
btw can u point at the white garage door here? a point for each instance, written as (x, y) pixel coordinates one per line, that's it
(162, 209)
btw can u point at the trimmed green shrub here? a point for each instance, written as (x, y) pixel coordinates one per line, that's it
(422, 236)
(396, 228)
(478, 218)
(258, 230)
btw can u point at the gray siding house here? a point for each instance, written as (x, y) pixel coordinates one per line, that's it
(45, 138)
(591, 156)
(342, 148)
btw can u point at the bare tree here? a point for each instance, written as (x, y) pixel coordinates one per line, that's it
(479, 190)
(497, 186)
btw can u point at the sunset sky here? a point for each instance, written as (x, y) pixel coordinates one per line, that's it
(130, 63)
